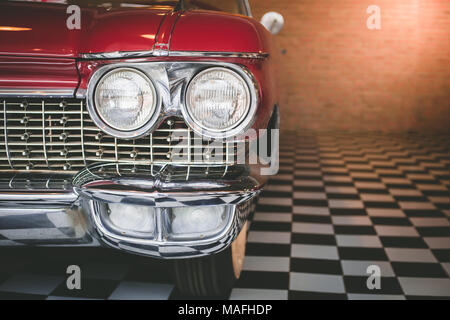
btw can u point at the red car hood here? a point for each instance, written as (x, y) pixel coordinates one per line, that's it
(39, 29)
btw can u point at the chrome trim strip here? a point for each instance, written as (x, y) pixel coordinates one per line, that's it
(248, 8)
(116, 151)
(164, 36)
(151, 148)
(6, 134)
(43, 198)
(81, 93)
(117, 54)
(18, 92)
(82, 132)
(193, 54)
(166, 189)
(44, 143)
(189, 154)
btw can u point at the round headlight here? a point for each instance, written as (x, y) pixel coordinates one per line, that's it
(218, 100)
(125, 100)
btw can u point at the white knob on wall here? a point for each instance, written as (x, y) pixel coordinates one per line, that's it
(273, 21)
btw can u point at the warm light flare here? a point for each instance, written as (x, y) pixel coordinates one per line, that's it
(148, 36)
(9, 28)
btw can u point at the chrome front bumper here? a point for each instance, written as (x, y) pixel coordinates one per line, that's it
(61, 211)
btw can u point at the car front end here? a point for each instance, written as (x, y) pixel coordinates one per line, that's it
(139, 146)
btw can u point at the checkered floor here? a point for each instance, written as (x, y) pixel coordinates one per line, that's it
(341, 202)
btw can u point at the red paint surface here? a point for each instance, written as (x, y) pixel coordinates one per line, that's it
(214, 31)
(34, 72)
(119, 29)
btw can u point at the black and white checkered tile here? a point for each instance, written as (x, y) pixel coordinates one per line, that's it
(340, 203)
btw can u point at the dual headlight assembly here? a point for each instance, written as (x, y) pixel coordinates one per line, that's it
(217, 102)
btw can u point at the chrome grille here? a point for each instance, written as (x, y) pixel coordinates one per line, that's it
(13, 181)
(58, 135)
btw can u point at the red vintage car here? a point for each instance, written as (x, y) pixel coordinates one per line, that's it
(122, 125)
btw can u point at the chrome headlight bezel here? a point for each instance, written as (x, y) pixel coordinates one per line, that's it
(108, 128)
(171, 80)
(240, 127)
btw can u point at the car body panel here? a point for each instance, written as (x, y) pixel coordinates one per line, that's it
(39, 29)
(38, 73)
(216, 31)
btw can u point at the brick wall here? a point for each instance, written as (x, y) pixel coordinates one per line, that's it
(340, 75)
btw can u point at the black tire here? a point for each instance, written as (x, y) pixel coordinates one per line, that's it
(211, 277)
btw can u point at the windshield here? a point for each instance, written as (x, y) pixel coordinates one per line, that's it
(101, 2)
(231, 6)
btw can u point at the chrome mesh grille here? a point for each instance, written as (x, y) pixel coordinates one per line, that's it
(58, 135)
